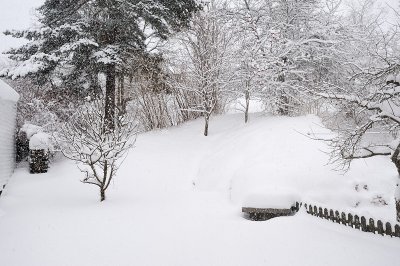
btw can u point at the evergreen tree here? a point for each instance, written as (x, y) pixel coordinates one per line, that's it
(78, 39)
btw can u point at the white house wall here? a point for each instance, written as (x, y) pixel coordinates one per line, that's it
(7, 140)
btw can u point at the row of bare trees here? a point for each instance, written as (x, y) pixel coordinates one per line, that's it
(295, 55)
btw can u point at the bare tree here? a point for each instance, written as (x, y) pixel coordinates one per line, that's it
(98, 152)
(372, 92)
(248, 16)
(286, 47)
(205, 60)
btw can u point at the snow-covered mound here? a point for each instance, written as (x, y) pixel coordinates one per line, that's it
(177, 201)
(276, 199)
(274, 152)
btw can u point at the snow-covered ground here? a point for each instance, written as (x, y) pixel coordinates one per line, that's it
(177, 200)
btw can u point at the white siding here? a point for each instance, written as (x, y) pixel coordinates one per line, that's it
(7, 141)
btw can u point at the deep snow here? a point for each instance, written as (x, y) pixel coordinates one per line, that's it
(177, 199)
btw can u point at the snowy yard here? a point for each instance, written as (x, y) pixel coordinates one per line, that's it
(177, 201)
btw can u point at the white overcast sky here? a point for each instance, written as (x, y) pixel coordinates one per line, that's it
(15, 14)
(19, 14)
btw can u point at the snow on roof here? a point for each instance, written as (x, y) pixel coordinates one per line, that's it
(8, 93)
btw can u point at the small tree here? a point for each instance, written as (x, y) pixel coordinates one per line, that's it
(97, 150)
(206, 60)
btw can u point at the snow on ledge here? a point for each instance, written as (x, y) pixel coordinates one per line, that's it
(31, 130)
(39, 141)
(273, 199)
(8, 93)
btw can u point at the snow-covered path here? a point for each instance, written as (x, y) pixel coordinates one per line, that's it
(176, 201)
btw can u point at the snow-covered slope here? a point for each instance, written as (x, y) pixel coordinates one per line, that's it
(177, 198)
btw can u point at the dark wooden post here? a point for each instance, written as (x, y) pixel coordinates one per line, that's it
(350, 221)
(344, 220)
(332, 216)
(388, 230)
(371, 225)
(379, 227)
(326, 215)
(364, 224)
(397, 230)
(357, 222)
(320, 213)
(337, 217)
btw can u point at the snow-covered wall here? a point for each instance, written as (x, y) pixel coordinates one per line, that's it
(8, 111)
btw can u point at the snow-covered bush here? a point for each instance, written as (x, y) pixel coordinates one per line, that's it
(96, 149)
(39, 152)
(33, 137)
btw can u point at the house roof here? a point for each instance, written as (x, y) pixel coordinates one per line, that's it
(8, 93)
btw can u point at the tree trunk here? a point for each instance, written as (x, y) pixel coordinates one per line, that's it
(110, 98)
(246, 112)
(102, 195)
(121, 101)
(206, 119)
(397, 200)
(396, 160)
(283, 101)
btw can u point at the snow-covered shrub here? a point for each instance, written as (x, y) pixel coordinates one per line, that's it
(39, 152)
(33, 137)
(96, 149)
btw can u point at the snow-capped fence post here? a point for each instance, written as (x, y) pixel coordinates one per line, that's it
(397, 230)
(350, 221)
(331, 215)
(320, 213)
(357, 223)
(379, 227)
(344, 220)
(388, 230)
(337, 217)
(371, 225)
(364, 224)
(326, 215)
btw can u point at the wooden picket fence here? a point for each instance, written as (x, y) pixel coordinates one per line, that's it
(354, 221)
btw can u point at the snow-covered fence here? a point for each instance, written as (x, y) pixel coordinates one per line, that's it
(8, 110)
(354, 221)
